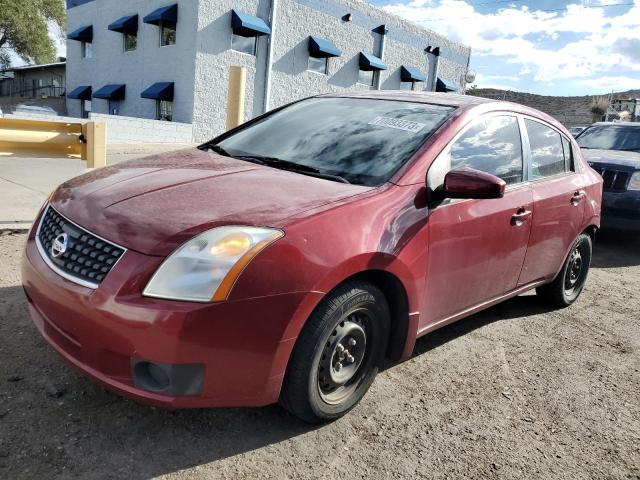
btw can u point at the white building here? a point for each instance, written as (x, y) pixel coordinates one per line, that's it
(160, 60)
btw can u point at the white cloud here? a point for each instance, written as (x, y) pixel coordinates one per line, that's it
(500, 82)
(613, 83)
(606, 45)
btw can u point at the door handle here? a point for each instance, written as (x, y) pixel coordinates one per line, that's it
(578, 197)
(521, 216)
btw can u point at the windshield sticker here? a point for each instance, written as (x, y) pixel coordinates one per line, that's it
(406, 125)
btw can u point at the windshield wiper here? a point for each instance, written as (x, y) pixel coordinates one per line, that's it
(637, 149)
(326, 176)
(291, 167)
(278, 163)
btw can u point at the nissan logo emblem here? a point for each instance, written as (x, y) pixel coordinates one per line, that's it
(59, 245)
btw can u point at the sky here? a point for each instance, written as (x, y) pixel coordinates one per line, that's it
(548, 47)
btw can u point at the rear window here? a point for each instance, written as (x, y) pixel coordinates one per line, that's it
(547, 151)
(362, 140)
(611, 137)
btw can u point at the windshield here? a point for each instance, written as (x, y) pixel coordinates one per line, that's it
(611, 137)
(361, 140)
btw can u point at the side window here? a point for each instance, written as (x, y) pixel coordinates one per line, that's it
(493, 145)
(568, 155)
(547, 153)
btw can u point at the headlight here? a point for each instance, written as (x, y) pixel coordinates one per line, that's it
(206, 267)
(634, 183)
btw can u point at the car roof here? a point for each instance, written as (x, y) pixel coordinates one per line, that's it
(460, 102)
(433, 98)
(618, 124)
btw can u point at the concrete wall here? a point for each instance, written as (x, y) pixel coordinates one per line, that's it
(199, 63)
(131, 130)
(213, 59)
(139, 69)
(126, 129)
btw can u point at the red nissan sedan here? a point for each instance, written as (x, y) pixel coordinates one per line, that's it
(288, 259)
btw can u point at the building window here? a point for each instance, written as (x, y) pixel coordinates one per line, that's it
(319, 65)
(366, 77)
(86, 108)
(87, 50)
(167, 35)
(130, 41)
(248, 45)
(114, 107)
(164, 110)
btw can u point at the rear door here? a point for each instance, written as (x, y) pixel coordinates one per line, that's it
(477, 247)
(559, 200)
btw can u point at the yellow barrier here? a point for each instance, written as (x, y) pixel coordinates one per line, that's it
(22, 137)
(235, 96)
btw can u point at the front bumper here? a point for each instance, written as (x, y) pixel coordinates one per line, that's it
(621, 211)
(242, 345)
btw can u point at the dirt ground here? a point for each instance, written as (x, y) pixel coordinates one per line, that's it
(516, 392)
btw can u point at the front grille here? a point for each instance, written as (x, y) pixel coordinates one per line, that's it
(86, 260)
(614, 180)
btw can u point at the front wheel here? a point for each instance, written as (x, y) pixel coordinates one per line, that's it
(337, 354)
(568, 285)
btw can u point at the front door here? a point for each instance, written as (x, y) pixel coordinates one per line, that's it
(477, 247)
(559, 202)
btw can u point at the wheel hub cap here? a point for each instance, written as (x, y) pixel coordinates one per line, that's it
(342, 355)
(575, 268)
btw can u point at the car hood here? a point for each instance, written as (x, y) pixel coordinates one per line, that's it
(154, 204)
(612, 157)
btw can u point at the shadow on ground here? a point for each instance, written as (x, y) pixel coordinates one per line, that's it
(55, 423)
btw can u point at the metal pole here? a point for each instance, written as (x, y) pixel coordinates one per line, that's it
(267, 80)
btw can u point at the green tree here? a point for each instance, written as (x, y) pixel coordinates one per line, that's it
(24, 29)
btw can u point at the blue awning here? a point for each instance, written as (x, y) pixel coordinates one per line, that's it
(83, 92)
(125, 24)
(247, 25)
(371, 62)
(159, 91)
(166, 15)
(410, 74)
(83, 34)
(111, 92)
(321, 48)
(443, 85)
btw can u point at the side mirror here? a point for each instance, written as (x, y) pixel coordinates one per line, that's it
(470, 183)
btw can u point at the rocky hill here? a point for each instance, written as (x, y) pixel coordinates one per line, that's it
(570, 111)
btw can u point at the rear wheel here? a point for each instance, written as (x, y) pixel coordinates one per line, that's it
(568, 285)
(337, 354)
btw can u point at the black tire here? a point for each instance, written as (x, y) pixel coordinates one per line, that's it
(311, 388)
(568, 285)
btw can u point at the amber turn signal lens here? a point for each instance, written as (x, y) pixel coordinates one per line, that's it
(230, 279)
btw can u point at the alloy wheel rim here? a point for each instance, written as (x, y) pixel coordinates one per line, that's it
(341, 364)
